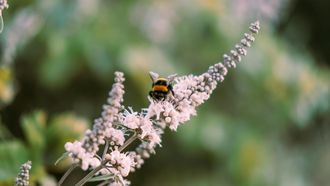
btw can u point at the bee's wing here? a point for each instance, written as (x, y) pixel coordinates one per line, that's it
(171, 77)
(154, 76)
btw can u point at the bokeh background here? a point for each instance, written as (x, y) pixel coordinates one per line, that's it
(267, 124)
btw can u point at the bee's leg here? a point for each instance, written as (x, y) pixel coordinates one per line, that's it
(170, 87)
(151, 94)
(154, 96)
(172, 92)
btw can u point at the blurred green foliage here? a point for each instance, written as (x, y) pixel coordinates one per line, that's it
(7, 90)
(43, 144)
(266, 124)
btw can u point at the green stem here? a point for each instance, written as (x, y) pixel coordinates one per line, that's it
(128, 142)
(67, 174)
(90, 174)
(106, 147)
(1, 22)
(104, 183)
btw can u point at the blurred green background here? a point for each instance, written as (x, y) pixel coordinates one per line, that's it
(267, 124)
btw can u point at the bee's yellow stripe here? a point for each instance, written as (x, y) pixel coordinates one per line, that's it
(160, 88)
(162, 79)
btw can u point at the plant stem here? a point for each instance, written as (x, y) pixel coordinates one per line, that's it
(90, 174)
(127, 142)
(67, 174)
(106, 147)
(1, 23)
(104, 183)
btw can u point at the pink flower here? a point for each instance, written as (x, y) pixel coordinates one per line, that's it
(120, 163)
(114, 135)
(79, 155)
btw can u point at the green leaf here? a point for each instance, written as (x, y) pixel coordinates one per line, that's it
(12, 155)
(4, 132)
(34, 129)
(62, 128)
(101, 178)
(7, 88)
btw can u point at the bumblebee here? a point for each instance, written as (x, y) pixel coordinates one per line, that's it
(161, 87)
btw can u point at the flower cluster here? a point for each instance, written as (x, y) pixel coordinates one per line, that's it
(191, 91)
(119, 163)
(240, 49)
(80, 156)
(143, 151)
(3, 5)
(142, 125)
(84, 152)
(116, 122)
(23, 176)
(119, 182)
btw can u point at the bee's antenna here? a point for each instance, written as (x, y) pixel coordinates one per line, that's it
(154, 76)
